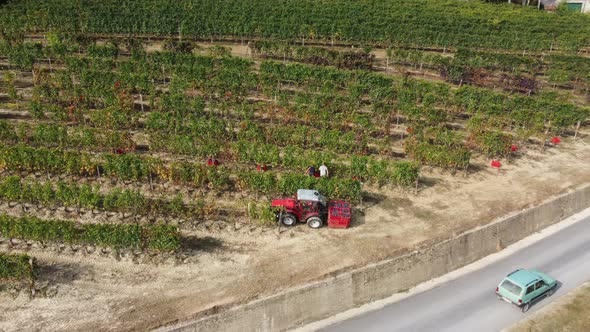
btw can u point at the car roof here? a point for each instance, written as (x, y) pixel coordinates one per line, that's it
(523, 277)
(545, 277)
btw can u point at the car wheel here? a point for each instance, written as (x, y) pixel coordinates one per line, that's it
(289, 219)
(525, 307)
(314, 222)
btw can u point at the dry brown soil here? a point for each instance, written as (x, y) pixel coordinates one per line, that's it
(92, 292)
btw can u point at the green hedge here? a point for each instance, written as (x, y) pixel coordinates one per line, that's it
(16, 267)
(120, 236)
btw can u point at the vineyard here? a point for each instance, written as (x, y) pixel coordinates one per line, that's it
(431, 23)
(161, 141)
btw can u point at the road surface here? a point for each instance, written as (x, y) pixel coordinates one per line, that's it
(468, 303)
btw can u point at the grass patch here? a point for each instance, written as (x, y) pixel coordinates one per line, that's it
(424, 214)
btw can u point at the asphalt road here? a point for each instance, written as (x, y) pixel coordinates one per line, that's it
(469, 303)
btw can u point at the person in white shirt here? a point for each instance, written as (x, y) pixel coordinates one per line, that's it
(323, 170)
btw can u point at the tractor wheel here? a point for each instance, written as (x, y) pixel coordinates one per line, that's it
(314, 222)
(289, 219)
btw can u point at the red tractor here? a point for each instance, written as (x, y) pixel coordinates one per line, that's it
(313, 208)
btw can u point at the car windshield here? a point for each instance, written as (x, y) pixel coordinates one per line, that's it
(511, 287)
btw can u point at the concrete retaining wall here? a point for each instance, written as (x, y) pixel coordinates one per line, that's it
(319, 300)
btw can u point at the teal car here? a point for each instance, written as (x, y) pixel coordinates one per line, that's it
(522, 287)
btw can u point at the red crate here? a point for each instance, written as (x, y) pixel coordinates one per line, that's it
(339, 214)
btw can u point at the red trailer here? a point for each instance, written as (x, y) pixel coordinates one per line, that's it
(339, 213)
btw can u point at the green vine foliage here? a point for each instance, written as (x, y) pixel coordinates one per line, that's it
(263, 213)
(406, 173)
(13, 188)
(473, 24)
(156, 238)
(494, 143)
(17, 267)
(455, 157)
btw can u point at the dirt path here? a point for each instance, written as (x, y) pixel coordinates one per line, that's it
(100, 293)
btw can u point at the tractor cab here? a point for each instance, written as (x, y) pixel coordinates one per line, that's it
(311, 196)
(311, 207)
